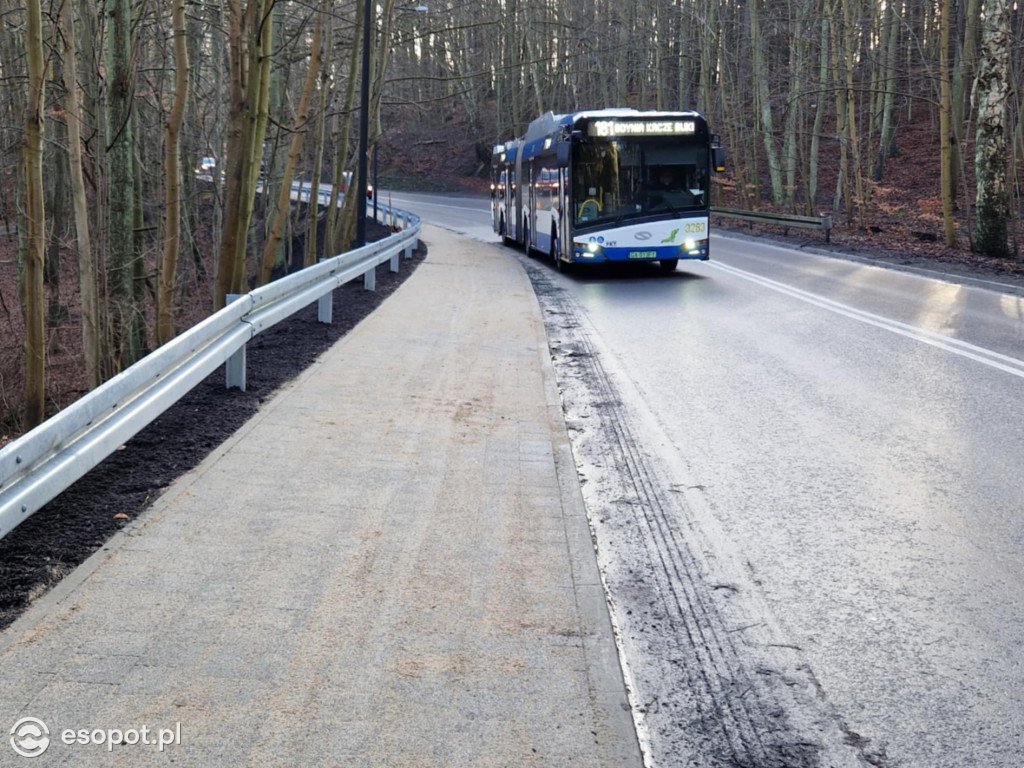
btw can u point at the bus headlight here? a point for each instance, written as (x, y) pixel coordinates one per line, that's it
(689, 245)
(593, 247)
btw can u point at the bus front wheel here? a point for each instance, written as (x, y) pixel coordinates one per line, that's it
(669, 265)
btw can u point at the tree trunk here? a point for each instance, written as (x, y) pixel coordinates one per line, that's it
(709, 38)
(120, 163)
(342, 233)
(795, 113)
(819, 113)
(312, 233)
(35, 309)
(841, 116)
(765, 125)
(91, 339)
(233, 162)
(962, 75)
(172, 161)
(94, 168)
(853, 136)
(993, 208)
(56, 207)
(251, 45)
(295, 150)
(945, 131)
(887, 132)
(258, 97)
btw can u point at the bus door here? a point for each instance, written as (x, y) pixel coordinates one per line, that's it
(564, 234)
(531, 228)
(498, 180)
(515, 213)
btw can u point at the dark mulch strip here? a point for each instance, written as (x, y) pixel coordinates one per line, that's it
(70, 528)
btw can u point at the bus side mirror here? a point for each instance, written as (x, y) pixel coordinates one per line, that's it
(718, 159)
(563, 154)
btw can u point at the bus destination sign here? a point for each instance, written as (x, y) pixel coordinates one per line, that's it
(610, 129)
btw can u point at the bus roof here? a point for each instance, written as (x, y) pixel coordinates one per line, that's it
(547, 125)
(506, 153)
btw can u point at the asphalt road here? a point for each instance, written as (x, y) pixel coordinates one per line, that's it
(804, 476)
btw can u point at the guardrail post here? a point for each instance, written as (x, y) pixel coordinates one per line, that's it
(393, 266)
(826, 224)
(370, 279)
(234, 366)
(325, 307)
(405, 225)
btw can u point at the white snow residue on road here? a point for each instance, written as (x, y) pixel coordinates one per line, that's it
(713, 681)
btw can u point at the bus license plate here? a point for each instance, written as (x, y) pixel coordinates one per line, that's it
(643, 254)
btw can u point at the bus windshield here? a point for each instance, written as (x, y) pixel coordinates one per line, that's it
(613, 180)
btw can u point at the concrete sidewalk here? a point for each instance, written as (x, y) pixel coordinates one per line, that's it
(389, 565)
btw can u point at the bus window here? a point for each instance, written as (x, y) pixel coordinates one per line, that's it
(592, 181)
(626, 177)
(674, 186)
(547, 188)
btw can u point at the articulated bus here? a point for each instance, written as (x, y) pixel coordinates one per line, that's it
(607, 185)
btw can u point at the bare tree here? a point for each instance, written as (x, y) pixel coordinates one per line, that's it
(251, 43)
(990, 157)
(172, 167)
(35, 318)
(889, 44)
(763, 103)
(88, 287)
(946, 136)
(125, 311)
(280, 213)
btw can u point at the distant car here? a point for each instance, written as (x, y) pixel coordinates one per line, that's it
(206, 168)
(346, 182)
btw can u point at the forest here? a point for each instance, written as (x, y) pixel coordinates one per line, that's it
(149, 145)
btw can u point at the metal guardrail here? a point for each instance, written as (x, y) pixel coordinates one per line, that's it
(42, 463)
(823, 223)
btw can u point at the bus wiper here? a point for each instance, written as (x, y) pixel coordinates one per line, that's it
(665, 204)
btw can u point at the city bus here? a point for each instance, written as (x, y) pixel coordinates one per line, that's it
(607, 185)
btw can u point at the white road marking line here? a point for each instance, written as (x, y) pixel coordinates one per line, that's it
(992, 359)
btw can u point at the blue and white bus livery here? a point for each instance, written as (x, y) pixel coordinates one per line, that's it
(608, 185)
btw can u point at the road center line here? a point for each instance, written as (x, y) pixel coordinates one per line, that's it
(992, 359)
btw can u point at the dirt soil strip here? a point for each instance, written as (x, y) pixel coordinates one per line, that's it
(51, 543)
(713, 682)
